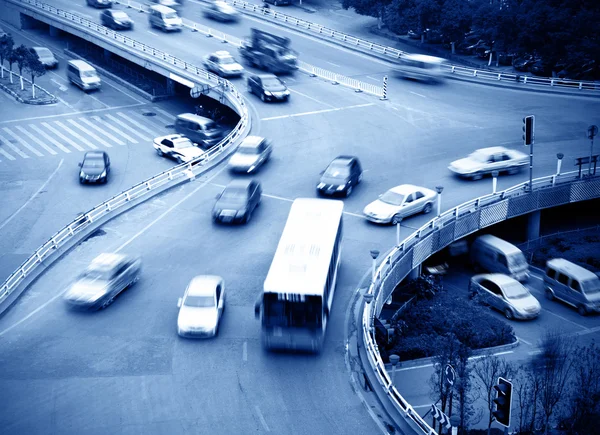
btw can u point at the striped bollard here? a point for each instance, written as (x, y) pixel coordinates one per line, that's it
(384, 96)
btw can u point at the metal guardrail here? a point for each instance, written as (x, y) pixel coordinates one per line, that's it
(394, 54)
(449, 226)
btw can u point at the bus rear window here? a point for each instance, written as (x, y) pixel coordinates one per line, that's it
(285, 313)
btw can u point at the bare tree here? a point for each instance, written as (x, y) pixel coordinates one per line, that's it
(463, 388)
(486, 372)
(526, 388)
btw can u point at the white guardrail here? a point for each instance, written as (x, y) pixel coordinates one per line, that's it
(181, 172)
(313, 71)
(393, 53)
(387, 263)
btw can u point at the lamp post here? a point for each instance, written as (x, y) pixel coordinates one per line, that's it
(559, 156)
(494, 181)
(374, 255)
(394, 359)
(591, 131)
(368, 299)
(398, 232)
(439, 190)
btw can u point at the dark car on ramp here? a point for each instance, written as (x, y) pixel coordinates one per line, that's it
(340, 177)
(237, 202)
(94, 168)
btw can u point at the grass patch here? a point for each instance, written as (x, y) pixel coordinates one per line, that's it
(578, 248)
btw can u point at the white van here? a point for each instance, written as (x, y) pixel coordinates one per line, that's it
(83, 75)
(572, 284)
(498, 256)
(420, 67)
(164, 18)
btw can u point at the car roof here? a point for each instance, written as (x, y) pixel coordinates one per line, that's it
(499, 278)
(194, 118)
(80, 64)
(222, 53)
(346, 160)
(203, 285)
(405, 189)
(163, 9)
(493, 150)
(94, 155)
(239, 184)
(571, 268)
(106, 262)
(252, 141)
(497, 242)
(423, 58)
(267, 76)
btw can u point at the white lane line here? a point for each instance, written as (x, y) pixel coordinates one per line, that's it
(122, 91)
(164, 120)
(334, 64)
(170, 209)
(66, 104)
(62, 136)
(152, 33)
(122, 115)
(49, 138)
(71, 114)
(25, 144)
(415, 93)
(317, 112)
(89, 133)
(374, 79)
(262, 419)
(245, 351)
(114, 129)
(148, 125)
(99, 130)
(312, 98)
(524, 341)
(166, 114)
(32, 197)
(14, 148)
(62, 87)
(36, 140)
(564, 319)
(98, 101)
(420, 406)
(5, 154)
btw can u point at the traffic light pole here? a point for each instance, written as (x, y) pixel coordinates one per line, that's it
(531, 166)
(529, 139)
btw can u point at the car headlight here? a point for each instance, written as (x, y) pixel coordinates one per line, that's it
(242, 212)
(320, 185)
(251, 168)
(103, 174)
(286, 93)
(340, 187)
(268, 93)
(217, 212)
(82, 174)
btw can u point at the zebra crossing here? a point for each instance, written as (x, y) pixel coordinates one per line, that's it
(64, 135)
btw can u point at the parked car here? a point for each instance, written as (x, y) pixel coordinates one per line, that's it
(116, 20)
(340, 176)
(221, 11)
(278, 2)
(45, 56)
(177, 147)
(103, 280)
(414, 35)
(487, 160)
(398, 203)
(201, 307)
(223, 64)
(237, 202)
(100, 3)
(252, 153)
(94, 168)
(506, 295)
(268, 87)
(572, 284)
(523, 63)
(542, 68)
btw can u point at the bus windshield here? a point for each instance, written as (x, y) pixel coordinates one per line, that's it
(285, 313)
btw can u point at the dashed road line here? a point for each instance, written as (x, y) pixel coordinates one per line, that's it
(312, 98)
(262, 419)
(318, 112)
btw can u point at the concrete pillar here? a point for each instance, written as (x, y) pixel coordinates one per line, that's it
(54, 32)
(416, 272)
(533, 225)
(107, 55)
(170, 87)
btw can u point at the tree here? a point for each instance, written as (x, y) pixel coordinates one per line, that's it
(21, 53)
(371, 8)
(6, 46)
(486, 372)
(463, 387)
(526, 388)
(11, 58)
(35, 68)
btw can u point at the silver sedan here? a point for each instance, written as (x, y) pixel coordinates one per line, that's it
(400, 202)
(487, 160)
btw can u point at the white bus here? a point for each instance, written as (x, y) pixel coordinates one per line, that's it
(421, 67)
(298, 292)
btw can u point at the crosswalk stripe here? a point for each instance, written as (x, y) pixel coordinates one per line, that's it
(166, 114)
(141, 125)
(5, 154)
(126, 136)
(49, 138)
(164, 119)
(155, 128)
(155, 122)
(99, 130)
(126, 127)
(62, 136)
(25, 144)
(77, 135)
(14, 148)
(89, 133)
(35, 139)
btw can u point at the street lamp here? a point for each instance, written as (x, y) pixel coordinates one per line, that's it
(394, 359)
(559, 156)
(494, 181)
(439, 190)
(591, 132)
(368, 299)
(374, 255)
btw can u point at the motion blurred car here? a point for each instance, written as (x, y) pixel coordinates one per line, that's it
(201, 308)
(103, 280)
(542, 68)
(221, 11)
(278, 2)
(116, 20)
(341, 176)
(237, 202)
(100, 3)
(94, 168)
(252, 153)
(223, 64)
(45, 56)
(523, 63)
(413, 35)
(178, 147)
(173, 4)
(398, 203)
(268, 87)
(506, 295)
(487, 160)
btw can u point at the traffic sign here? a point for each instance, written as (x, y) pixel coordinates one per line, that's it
(592, 131)
(450, 374)
(441, 417)
(198, 90)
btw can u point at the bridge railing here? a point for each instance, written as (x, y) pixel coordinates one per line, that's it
(444, 229)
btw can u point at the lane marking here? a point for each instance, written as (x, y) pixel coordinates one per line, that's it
(564, 319)
(89, 133)
(122, 115)
(152, 33)
(420, 406)
(245, 351)
(35, 139)
(68, 130)
(14, 148)
(25, 144)
(374, 79)
(97, 100)
(5, 154)
(99, 130)
(62, 87)
(524, 341)
(49, 138)
(114, 129)
(261, 418)
(312, 98)
(71, 114)
(415, 93)
(32, 197)
(317, 112)
(334, 64)
(66, 104)
(123, 91)
(404, 369)
(147, 124)
(166, 114)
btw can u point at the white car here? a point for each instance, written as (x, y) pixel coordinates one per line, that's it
(487, 160)
(202, 306)
(400, 202)
(251, 154)
(223, 64)
(177, 147)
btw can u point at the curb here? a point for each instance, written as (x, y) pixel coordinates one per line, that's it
(35, 102)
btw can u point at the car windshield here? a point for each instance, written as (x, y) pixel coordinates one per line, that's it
(479, 156)
(211, 126)
(119, 15)
(337, 171)
(591, 286)
(93, 163)
(515, 291)
(102, 275)
(517, 260)
(234, 194)
(184, 144)
(271, 82)
(88, 74)
(43, 52)
(171, 15)
(226, 60)
(199, 301)
(392, 198)
(248, 150)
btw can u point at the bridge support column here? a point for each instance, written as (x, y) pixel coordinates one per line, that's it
(54, 32)
(170, 87)
(533, 225)
(415, 273)
(107, 55)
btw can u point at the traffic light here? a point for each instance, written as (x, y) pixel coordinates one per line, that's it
(503, 402)
(528, 129)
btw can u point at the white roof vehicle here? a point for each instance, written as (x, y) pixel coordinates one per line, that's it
(487, 160)
(202, 306)
(223, 64)
(177, 147)
(400, 202)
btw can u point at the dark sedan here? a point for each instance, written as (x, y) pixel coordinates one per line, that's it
(237, 202)
(99, 4)
(94, 168)
(268, 87)
(340, 177)
(116, 20)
